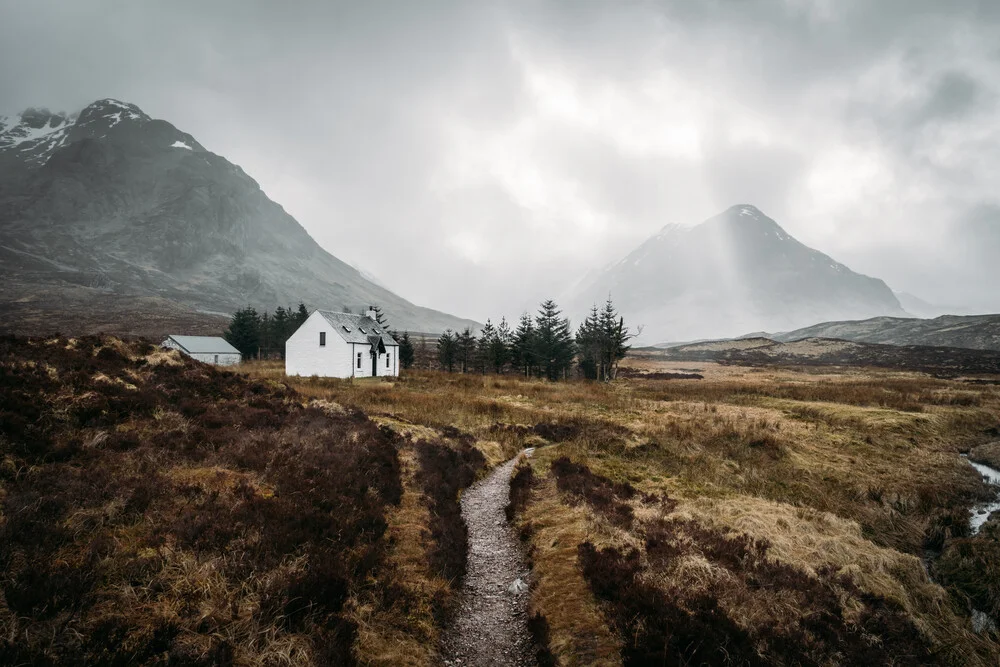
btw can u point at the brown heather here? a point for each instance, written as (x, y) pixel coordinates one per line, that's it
(155, 510)
(756, 516)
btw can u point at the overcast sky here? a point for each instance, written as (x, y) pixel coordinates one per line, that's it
(477, 156)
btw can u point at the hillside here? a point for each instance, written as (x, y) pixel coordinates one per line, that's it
(939, 361)
(738, 271)
(111, 201)
(978, 332)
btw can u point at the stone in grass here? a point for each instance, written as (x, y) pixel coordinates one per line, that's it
(518, 586)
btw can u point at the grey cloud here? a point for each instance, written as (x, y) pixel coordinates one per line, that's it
(954, 95)
(351, 114)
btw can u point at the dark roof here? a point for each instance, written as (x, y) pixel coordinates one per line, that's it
(204, 344)
(358, 328)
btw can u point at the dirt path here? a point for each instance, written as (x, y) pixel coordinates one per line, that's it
(490, 628)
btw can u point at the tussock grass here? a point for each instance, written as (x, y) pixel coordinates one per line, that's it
(843, 476)
(158, 510)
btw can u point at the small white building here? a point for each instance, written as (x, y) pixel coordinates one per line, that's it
(210, 349)
(341, 345)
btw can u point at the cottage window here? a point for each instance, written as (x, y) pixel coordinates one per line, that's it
(216, 359)
(387, 355)
(345, 328)
(362, 329)
(322, 338)
(359, 360)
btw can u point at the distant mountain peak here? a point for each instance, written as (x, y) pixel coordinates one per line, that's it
(34, 134)
(101, 117)
(112, 112)
(746, 211)
(30, 139)
(737, 269)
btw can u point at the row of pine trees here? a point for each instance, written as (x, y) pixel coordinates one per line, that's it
(543, 346)
(540, 346)
(259, 334)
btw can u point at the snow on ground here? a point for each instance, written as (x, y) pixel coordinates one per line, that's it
(180, 144)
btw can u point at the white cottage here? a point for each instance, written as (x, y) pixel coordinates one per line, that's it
(341, 345)
(210, 349)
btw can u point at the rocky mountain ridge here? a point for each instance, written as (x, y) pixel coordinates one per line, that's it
(114, 201)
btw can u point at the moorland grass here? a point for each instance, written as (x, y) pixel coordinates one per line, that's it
(800, 504)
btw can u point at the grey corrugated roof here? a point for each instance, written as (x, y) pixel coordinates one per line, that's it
(350, 326)
(204, 344)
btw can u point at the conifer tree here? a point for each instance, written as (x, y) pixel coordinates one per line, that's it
(616, 336)
(602, 341)
(380, 317)
(281, 328)
(500, 347)
(406, 352)
(484, 349)
(555, 348)
(447, 348)
(589, 344)
(244, 331)
(300, 317)
(466, 349)
(523, 345)
(266, 335)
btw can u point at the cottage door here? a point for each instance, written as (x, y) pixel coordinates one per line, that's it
(374, 364)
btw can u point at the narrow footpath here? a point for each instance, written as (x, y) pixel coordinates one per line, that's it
(490, 627)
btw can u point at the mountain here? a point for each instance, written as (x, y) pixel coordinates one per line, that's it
(916, 306)
(735, 272)
(977, 332)
(112, 202)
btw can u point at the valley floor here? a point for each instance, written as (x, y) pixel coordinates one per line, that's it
(154, 510)
(756, 516)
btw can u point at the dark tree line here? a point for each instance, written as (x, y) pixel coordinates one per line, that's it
(256, 334)
(543, 346)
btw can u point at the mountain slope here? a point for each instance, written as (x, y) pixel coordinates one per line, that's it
(978, 332)
(736, 272)
(941, 361)
(113, 200)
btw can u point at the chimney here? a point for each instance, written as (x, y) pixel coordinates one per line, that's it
(370, 312)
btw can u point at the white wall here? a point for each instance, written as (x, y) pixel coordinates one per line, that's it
(366, 361)
(305, 356)
(338, 358)
(218, 359)
(214, 359)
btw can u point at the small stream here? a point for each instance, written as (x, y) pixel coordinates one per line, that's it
(981, 512)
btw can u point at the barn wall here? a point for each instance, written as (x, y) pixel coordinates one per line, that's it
(304, 356)
(224, 359)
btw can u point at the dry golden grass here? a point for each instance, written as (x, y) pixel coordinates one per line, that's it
(578, 633)
(843, 468)
(385, 636)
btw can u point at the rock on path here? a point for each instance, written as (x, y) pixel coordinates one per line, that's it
(490, 627)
